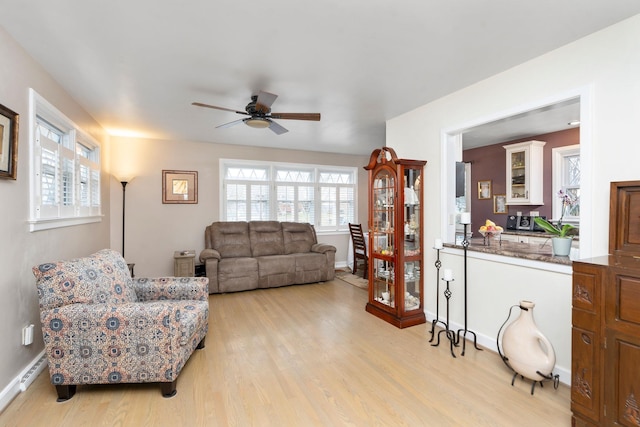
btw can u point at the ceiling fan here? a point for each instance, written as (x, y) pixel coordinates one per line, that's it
(260, 115)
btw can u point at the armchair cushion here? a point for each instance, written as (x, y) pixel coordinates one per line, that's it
(99, 278)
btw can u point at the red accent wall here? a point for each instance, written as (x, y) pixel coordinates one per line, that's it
(489, 163)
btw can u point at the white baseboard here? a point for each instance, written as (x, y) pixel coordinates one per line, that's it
(490, 343)
(23, 380)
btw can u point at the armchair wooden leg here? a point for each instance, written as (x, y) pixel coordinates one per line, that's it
(200, 345)
(169, 389)
(65, 392)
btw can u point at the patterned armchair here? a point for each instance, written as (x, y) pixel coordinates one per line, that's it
(100, 326)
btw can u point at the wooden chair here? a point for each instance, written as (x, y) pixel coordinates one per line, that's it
(359, 248)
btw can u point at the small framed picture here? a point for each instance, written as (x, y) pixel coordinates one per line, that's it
(484, 190)
(8, 143)
(500, 204)
(179, 186)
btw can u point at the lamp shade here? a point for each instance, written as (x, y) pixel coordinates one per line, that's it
(124, 177)
(410, 196)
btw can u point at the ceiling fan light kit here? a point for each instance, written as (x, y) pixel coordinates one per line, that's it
(260, 116)
(257, 122)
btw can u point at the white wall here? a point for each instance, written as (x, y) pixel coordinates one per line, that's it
(155, 230)
(608, 64)
(20, 249)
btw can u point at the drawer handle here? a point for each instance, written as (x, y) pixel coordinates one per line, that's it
(586, 339)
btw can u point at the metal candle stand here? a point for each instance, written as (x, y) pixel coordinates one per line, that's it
(451, 335)
(465, 246)
(437, 320)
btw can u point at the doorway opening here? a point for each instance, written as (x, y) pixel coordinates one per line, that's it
(471, 134)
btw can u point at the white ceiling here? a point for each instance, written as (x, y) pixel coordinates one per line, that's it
(138, 65)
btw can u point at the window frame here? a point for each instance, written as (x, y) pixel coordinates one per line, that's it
(81, 155)
(274, 184)
(559, 154)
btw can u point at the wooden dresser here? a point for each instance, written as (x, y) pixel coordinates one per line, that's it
(605, 367)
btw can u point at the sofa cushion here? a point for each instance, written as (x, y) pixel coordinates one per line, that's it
(298, 237)
(237, 274)
(231, 239)
(266, 238)
(276, 270)
(99, 278)
(310, 267)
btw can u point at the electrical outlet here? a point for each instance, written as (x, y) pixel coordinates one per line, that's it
(519, 213)
(27, 335)
(534, 213)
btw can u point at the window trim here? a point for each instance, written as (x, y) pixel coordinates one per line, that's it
(40, 107)
(273, 183)
(558, 155)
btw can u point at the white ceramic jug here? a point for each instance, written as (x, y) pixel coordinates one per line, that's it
(527, 350)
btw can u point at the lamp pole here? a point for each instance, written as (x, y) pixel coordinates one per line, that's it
(124, 185)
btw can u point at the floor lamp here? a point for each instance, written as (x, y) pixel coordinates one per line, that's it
(124, 182)
(124, 198)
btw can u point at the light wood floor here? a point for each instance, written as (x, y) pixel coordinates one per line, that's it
(309, 356)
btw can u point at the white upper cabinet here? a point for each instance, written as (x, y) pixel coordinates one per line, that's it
(524, 173)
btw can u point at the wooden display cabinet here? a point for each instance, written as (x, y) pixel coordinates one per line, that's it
(605, 345)
(395, 238)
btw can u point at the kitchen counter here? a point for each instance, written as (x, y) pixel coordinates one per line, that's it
(530, 251)
(532, 234)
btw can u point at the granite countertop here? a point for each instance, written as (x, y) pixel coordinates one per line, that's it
(533, 234)
(531, 251)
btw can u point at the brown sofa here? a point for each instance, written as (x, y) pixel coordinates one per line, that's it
(240, 256)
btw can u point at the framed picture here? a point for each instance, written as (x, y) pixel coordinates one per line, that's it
(179, 186)
(484, 190)
(500, 204)
(8, 143)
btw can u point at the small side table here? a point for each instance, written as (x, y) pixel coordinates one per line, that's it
(184, 263)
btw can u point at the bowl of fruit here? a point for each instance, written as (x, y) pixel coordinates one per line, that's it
(490, 229)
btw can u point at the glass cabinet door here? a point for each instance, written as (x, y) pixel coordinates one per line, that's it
(383, 244)
(412, 241)
(519, 175)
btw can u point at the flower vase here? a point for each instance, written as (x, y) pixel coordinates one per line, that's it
(527, 350)
(561, 245)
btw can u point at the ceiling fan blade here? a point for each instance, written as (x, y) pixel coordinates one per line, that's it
(277, 129)
(264, 101)
(200, 104)
(315, 117)
(233, 123)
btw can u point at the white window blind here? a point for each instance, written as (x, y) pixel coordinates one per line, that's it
(320, 195)
(65, 170)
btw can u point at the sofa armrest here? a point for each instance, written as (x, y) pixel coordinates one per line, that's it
(322, 248)
(171, 288)
(209, 254)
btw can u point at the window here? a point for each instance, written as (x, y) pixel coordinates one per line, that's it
(65, 170)
(566, 177)
(320, 195)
